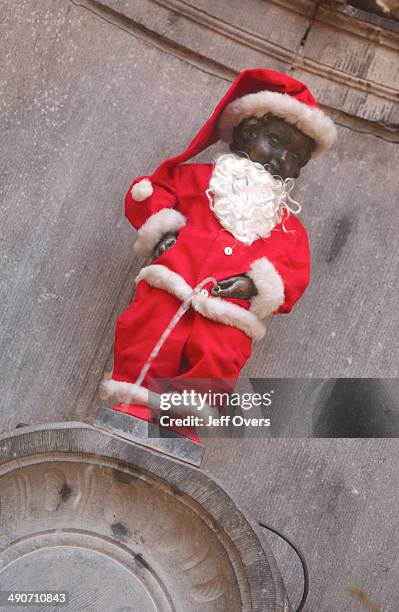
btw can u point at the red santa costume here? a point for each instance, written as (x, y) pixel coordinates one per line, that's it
(211, 338)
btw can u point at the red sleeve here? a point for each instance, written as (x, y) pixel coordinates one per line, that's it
(282, 274)
(293, 265)
(146, 197)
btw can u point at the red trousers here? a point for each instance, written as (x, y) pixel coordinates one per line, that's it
(197, 348)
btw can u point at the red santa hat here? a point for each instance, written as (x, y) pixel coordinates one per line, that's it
(255, 93)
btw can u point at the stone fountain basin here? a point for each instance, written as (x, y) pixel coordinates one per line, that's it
(124, 529)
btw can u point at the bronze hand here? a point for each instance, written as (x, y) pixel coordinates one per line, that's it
(167, 241)
(240, 286)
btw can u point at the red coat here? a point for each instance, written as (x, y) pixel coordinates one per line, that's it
(212, 339)
(278, 265)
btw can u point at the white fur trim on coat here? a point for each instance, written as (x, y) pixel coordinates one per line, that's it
(269, 285)
(228, 313)
(142, 190)
(123, 392)
(312, 121)
(215, 308)
(161, 277)
(131, 393)
(151, 232)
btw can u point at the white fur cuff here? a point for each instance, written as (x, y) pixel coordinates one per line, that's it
(270, 288)
(151, 232)
(142, 190)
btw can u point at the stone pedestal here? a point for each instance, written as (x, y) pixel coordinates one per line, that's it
(150, 435)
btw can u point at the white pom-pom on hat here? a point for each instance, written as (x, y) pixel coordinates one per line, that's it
(142, 190)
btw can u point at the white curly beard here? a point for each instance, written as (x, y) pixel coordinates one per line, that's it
(248, 201)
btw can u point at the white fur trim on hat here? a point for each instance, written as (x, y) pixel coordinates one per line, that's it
(269, 285)
(156, 226)
(312, 121)
(215, 308)
(142, 190)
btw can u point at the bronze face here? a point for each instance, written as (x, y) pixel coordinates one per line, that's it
(274, 143)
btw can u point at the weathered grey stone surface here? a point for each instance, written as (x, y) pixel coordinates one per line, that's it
(337, 499)
(91, 98)
(79, 127)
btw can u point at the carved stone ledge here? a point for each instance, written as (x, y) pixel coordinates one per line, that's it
(386, 9)
(350, 62)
